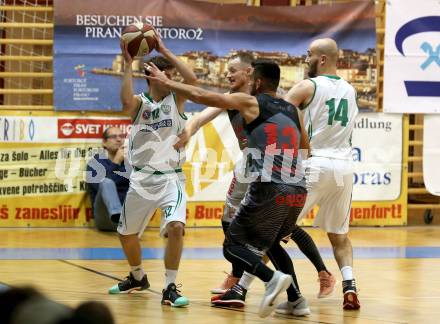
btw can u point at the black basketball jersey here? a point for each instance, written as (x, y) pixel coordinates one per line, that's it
(274, 142)
(237, 123)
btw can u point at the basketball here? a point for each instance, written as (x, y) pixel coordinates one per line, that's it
(140, 39)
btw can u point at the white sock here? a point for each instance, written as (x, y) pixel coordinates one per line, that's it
(347, 273)
(246, 280)
(137, 272)
(170, 277)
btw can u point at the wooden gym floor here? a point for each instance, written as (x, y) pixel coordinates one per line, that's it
(397, 271)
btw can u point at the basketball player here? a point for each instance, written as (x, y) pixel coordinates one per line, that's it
(234, 288)
(330, 109)
(274, 136)
(157, 180)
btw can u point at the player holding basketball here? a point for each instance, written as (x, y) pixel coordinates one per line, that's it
(234, 288)
(274, 135)
(157, 180)
(330, 110)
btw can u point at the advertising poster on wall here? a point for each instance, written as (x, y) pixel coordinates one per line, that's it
(88, 65)
(44, 156)
(412, 57)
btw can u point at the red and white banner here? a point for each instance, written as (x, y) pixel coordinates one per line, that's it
(42, 129)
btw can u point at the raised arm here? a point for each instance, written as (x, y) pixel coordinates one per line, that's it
(194, 124)
(301, 94)
(246, 104)
(130, 103)
(202, 118)
(184, 70)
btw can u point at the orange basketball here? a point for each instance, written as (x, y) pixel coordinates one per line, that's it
(140, 39)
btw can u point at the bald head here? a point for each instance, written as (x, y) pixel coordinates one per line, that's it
(322, 57)
(327, 47)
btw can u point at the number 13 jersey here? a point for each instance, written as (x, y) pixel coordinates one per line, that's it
(274, 142)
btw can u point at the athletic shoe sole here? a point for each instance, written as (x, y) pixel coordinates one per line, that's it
(298, 312)
(351, 301)
(218, 291)
(183, 303)
(229, 303)
(129, 291)
(301, 312)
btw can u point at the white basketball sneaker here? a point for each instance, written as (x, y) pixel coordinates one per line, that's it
(297, 308)
(279, 283)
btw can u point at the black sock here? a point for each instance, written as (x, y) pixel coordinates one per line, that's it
(115, 218)
(308, 247)
(237, 272)
(247, 260)
(281, 261)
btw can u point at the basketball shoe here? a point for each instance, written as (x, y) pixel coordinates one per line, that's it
(279, 283)
(234, 297)
(130, 284)
(171, 296)
(327, 284)
(228, 283)
(297, 308)
(351, 301)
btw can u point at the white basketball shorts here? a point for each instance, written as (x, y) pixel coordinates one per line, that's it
(145, 195)
(330, 186)
(236, 192)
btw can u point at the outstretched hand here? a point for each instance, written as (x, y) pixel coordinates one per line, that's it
(182, 139)
(157, 76)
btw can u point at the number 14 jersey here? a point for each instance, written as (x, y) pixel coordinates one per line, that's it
(329, 117)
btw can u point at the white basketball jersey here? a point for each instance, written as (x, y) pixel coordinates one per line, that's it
(330, 116)
(153, 135)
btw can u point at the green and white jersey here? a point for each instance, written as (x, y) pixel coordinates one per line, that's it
(153, 134)
(329, 117)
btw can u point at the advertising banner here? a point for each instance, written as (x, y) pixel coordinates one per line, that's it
(43, 160)
(377, 152)
(431, 153)
(412, 57)
(88, 65)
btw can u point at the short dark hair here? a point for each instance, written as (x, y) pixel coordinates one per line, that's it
(244, 57)
(12, 298)
(269, 71)
(161, 62)
(105, 133)
(92, 312)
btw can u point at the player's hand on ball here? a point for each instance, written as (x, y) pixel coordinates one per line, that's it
(160, 46)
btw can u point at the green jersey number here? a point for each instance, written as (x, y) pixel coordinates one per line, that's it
(341, 113)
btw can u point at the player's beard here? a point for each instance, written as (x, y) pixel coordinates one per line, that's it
(253, 88)
(313, 69)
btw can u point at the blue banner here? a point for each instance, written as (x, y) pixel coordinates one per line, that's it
(88, 66)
